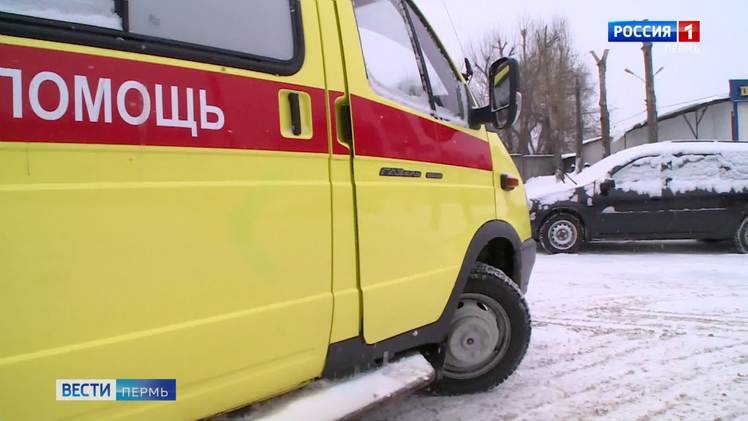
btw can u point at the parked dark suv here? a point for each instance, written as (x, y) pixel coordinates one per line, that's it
(667, 190)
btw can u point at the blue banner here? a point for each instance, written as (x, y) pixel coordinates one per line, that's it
(146, 389)
(643, 31)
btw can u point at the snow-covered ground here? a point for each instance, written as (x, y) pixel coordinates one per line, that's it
(631, 331)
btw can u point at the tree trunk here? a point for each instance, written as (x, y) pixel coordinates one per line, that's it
(523, 146)
(579, 125)
(651, 100)
(507, 137)
(604, 115)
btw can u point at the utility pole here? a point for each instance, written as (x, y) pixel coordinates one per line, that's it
(604, 115)
(650, 90)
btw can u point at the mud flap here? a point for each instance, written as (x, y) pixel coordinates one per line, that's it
(346, 398)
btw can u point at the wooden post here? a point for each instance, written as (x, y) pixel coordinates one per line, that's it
(651, 100)
(604, 115)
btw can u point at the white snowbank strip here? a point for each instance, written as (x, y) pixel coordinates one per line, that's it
(333, 400)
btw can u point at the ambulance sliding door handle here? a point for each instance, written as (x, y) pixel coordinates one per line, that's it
(295, 114)
(293, 102)
(343, 125)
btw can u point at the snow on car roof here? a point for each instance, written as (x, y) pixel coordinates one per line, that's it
(602, 167)
(542, 186)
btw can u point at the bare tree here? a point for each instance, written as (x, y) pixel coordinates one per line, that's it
(528, 95)
(493, 47)
(604, 115)
(549, 69)
(546, 44)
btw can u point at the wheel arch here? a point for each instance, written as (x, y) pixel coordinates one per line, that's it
(566, 210)
(490, 242)
(744, 211)
(497, 244)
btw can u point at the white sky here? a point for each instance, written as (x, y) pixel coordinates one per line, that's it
(691, 71)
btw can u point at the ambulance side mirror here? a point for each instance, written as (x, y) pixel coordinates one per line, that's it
(504, 98)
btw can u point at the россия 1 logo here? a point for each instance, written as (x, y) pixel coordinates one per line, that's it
(654, 31)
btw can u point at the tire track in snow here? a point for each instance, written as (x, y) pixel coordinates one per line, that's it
(614, 340)
(592, 324)
(608, 386)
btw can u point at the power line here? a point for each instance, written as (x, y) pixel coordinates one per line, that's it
(691, 101)
(630, 117)
(454, 29)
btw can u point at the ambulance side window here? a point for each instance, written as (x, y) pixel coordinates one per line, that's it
(258, 27)
(100, 13)
(261, 35)
(391, 63)
(448, 91)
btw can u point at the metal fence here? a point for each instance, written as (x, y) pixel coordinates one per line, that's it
(533, 165)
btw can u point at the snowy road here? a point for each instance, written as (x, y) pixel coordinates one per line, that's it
(660, 332)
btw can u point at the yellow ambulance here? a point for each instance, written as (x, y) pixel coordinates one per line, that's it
(245, 196)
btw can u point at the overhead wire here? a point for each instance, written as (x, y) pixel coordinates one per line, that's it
(454, 28)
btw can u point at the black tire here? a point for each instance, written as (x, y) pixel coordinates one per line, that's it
(566, 226)
(741, 237)
(489, 284)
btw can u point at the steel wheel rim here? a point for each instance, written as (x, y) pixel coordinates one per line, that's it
(562, 234)
(479, 337)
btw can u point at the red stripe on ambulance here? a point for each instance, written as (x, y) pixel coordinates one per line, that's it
(387, 132)
(63, 97)
(55, 96)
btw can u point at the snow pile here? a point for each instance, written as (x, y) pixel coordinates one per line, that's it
(88, 12)
(546, 189)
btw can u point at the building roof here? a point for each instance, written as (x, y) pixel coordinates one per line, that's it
(592, 140)
(682, 110)
(584, 142)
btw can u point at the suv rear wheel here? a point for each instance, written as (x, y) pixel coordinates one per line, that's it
(488, 336)
(741, 237)
(561, 233)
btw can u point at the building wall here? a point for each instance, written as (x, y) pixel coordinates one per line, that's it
(530, 166)
(592, 152)
(743, 120)
(716, 124)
